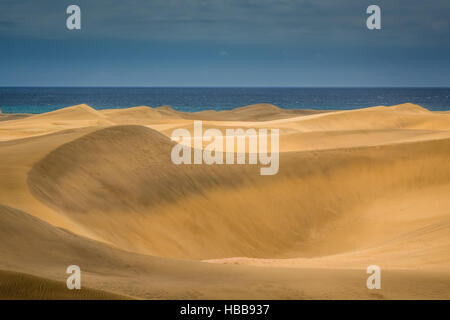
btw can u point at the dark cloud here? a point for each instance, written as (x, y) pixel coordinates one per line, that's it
(232, 21)
(225, 42)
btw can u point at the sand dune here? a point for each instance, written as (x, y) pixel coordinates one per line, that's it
(355, 187)
(78, 112)
(8, 117)
(21, 286)
(29, 245)
(405, 116)
(68, 118)
(252, 113)
(99, 177)
(257, 112)
(141, 114)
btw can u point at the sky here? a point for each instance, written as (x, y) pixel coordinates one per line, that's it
(299, 43)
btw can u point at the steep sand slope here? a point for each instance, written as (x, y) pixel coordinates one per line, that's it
(121, 183)
(21, 286)
(30, 245)
(17, 158)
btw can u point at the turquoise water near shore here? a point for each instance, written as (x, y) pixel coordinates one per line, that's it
(40, 100)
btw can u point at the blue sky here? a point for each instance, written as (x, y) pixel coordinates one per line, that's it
(224, 43)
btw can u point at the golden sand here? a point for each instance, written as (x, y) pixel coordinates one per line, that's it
(354, 188)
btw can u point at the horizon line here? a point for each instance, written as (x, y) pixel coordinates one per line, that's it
(249, 87)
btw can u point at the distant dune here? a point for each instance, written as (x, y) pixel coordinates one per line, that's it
(256, 112)
(98, 189)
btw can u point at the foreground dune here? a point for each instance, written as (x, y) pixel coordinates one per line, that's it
(26, 287)
(355, 188)
(32, 246)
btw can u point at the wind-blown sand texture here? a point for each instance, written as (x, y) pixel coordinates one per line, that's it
(98, 189)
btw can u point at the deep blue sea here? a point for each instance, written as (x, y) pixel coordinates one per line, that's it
(39, 100)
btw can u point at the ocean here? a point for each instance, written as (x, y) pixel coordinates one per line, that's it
(40, 100)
